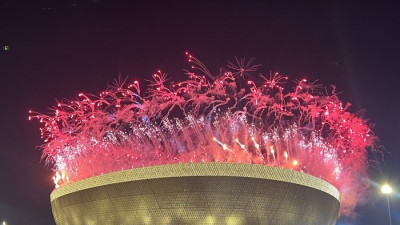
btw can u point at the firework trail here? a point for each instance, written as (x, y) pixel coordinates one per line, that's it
(210, 118)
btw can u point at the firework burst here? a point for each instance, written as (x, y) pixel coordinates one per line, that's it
(210, 118)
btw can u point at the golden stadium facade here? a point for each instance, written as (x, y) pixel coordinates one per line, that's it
(198, 193)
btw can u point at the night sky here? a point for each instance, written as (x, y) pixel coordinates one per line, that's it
(56, 49)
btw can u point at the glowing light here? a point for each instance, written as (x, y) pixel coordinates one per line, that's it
(224, 146)
(256, 145)
(386, 189)
(226, 117)
(60, 178)
(272, 151)
(242, 146)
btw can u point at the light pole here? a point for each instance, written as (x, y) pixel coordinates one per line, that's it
(386, 189)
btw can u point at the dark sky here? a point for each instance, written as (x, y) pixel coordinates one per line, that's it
(60, 48)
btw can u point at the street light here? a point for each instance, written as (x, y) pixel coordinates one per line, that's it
(387, 190)
(4, 223)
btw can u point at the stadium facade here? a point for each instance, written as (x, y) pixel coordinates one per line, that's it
(198, 193)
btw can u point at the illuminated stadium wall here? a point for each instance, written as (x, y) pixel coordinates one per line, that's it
(198, 193)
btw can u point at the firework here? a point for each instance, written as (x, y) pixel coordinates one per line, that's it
(210, 118)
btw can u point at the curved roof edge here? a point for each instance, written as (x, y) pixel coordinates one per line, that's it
(217, 169)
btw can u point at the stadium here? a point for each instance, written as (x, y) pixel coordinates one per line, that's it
(198, 193)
